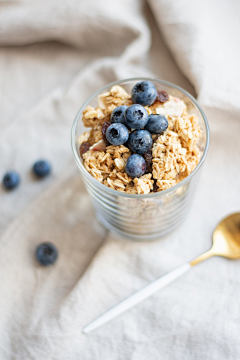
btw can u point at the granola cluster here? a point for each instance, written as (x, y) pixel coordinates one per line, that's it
(173, 156)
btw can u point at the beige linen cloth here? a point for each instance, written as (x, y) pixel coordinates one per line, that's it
(53, 55)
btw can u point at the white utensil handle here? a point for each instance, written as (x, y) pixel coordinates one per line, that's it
(137, 297)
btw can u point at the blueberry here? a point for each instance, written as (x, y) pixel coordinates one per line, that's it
(11, 180)
(117, 115)
(140, 141)
(144, 93)
(135, 166)
(136, 116)
(46, 254)
(41, 168)
(117, 134)
(156, 124)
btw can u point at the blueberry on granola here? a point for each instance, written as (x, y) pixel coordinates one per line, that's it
(136, 116)
(11, 180)
(156, 124)
(117, 115)
(117, 134)
(140, 141)
(144, 93)
(135, 166)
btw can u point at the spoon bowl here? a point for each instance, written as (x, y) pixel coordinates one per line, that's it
(226, 237)
(226, 240)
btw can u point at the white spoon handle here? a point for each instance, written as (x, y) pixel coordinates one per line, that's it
(137, 297)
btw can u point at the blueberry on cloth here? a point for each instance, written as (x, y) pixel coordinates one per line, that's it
(135, 166)
(117, 115)
(144, 93)
(140, 141)
(136, 116)
(11, 180)
(46, 254)
(41, 168)
(117, 134)
(156, 124)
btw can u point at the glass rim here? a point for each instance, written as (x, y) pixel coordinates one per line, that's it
(138, 196)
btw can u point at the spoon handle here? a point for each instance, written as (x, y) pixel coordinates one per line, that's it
(202, 257)
(137, 297)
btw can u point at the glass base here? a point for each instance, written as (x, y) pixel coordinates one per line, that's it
(135, 237)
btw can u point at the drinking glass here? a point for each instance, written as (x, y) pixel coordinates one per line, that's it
(149, 216)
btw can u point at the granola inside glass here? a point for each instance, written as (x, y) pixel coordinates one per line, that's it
(141, 142)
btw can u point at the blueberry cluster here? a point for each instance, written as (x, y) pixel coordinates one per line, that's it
(124, 119)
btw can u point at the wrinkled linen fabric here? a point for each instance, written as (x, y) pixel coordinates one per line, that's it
(203, 38)
(53, 55)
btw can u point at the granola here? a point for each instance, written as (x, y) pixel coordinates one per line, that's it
(173, 156)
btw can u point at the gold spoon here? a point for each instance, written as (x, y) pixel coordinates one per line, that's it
(226, 242)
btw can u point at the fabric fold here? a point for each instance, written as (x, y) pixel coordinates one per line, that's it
(202, 38)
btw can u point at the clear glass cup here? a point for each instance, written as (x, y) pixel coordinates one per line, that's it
(143, 217)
